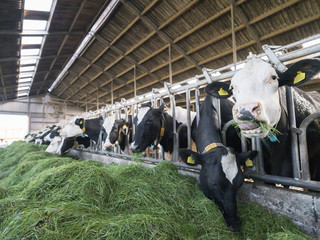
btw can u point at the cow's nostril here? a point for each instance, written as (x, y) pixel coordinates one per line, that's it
(255, 109)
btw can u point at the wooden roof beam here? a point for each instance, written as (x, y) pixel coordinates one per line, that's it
(250, 29)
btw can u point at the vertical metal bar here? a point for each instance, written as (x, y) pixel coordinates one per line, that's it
(134, 81)
(87, 103)
(97, 98)
(43, 107)
(254, 147)
(197, 105)
(260, 157)
(188, 118)
(293, 135)
(175, 156)
(305, 170)
(234, 45)
(170, 65)
(217, 106)
(244, 146)
(112, 92)
(133, 115)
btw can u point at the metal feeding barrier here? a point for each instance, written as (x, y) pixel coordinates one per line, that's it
(300, 163)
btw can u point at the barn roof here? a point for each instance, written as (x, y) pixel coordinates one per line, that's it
(138, 41)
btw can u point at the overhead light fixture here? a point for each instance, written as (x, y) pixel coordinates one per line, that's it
(101, 20)
(38, 5)
(31, 40)
(34, 25)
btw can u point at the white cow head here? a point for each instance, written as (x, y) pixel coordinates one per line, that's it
(54, 145)
(108, 124)
(255, 89)
(71, 129)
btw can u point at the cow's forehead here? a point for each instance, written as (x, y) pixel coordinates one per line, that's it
(255, 71)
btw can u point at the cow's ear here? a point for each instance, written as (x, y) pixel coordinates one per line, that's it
(299, 72)
(190, 157)
(245, 158)
(219, 90)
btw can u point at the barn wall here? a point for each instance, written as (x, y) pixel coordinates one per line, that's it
(42, 110)
(302, 208)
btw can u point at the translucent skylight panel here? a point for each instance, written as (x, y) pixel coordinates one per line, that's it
(27, 69)
(30, 52)
(34, 25)
(24, 80)
(31, 40)
(25, 75)
(23, 88)
(38, 5)
(28, 61)
(22, 94)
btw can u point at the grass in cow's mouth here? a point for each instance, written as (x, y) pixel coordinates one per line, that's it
(44, 196)
(266, 128)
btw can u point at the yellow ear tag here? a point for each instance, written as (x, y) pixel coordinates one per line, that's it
(249, 162)
(59, 130)
(83, 129)
(222, 92)
(124, 126)
(80, 122)
(300, 76)
(161, 132)
(190, 160)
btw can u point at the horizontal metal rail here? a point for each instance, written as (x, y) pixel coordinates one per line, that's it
(202, 80)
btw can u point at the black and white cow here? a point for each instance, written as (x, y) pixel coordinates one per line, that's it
(260, 101)
(72, 142)
(77, 127)
(155, 125)
(53, 133)
(107, 125)
(121, 133)
(220, 174)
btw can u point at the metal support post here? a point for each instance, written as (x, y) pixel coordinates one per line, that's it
(188, 118)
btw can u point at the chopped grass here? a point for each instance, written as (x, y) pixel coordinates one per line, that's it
(43, 196)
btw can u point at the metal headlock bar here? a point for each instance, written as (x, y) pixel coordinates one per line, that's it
(301, 177)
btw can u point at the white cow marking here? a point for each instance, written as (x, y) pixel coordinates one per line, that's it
(229, 166)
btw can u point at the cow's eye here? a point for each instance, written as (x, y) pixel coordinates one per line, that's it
(274, 77)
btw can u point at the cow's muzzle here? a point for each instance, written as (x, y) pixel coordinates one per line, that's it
(247, 111)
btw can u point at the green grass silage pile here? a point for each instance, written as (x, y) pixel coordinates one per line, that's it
(43, 196)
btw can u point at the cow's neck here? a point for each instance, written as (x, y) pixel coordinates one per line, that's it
(167, 138)
(208, 129)
(92, 128)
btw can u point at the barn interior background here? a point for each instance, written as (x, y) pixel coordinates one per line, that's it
(93, 53)
(72, 56)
